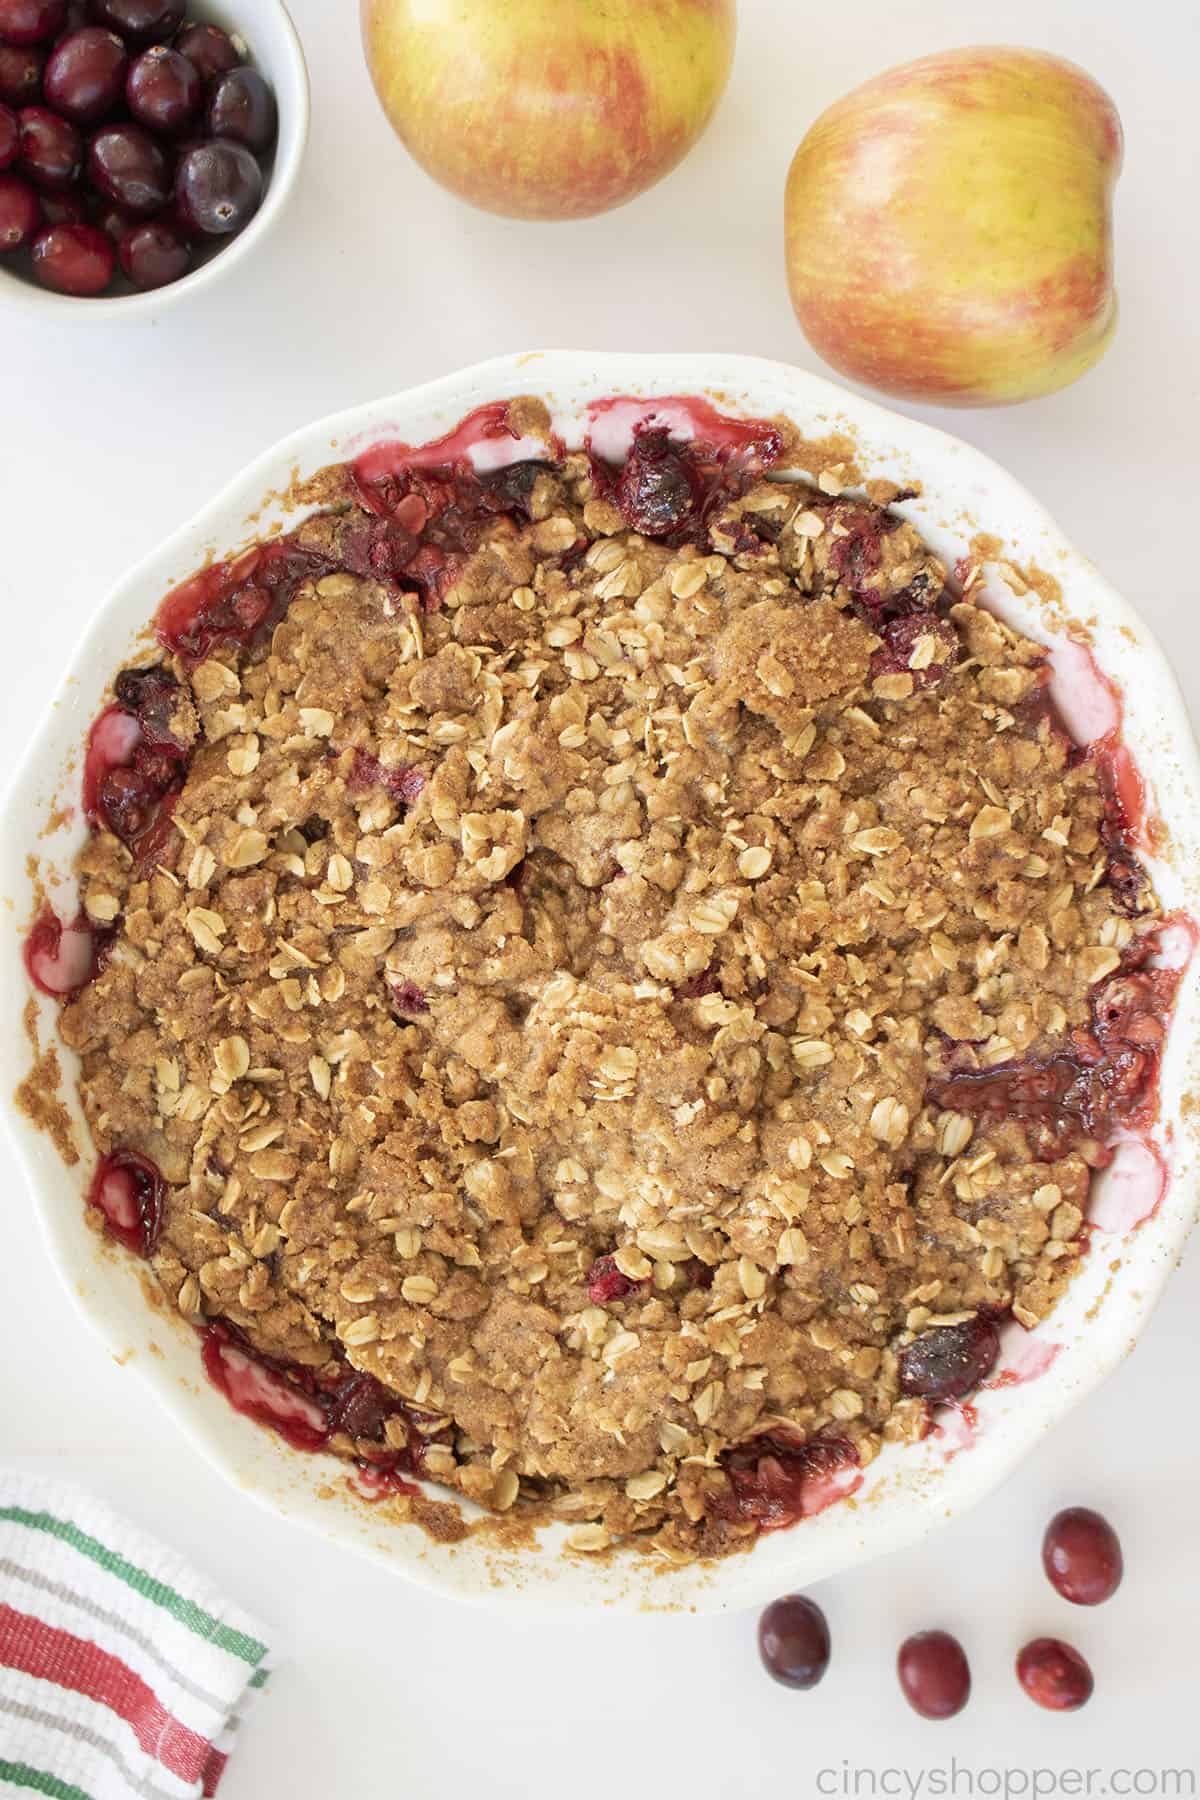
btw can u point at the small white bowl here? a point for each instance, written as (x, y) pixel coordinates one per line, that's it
(266, 27)
(907, 1491)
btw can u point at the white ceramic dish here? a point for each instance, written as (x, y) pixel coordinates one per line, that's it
(906, 1491)
(274, 46)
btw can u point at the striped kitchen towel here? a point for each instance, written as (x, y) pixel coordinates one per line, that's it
(122, 1671)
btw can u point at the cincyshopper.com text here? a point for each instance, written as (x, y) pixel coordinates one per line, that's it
(960, 1781)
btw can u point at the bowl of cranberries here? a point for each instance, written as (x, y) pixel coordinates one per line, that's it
(144, 144)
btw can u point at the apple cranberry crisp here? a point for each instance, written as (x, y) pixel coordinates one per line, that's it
(600, 986)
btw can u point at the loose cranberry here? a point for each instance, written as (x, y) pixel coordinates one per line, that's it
(654, 493)
(934, 1674)
(900, 640)
(1081, 1554)
(126, 165)
(242, 107)
(20, 213)
(129, 1190)
(74, 259)
(950, 1361)
(85, 75)
(163, 90)
(51, 148)
(114, 221)
(31, 21)
(140, 21)
(1054, 1675)
(67, 208)
(208, 49)
(793, 1641)
(62, 959)
(10, 137)
(218, 188)
(153, 256)
(606, 1282)
(20, 75)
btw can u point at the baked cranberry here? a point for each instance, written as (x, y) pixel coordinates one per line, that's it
(933, 642)
(242, 107)
(209, 50)
(31, 21)
(10, 137)
(654, 492)
(85, 75)
(129, 1190)
(67, 208)
(62, 959)
(935, 1676)
(74, 259)
(1081, 1554)
(163, 90)
(774, 1482)
(408, 1000)
(20, 75)
(606, 1282)
(404, 782)
(1054, 1675)
(126, 165)
(218, 188)
(51, 148)
(950, 1361)
(140, 21)
(152, 255)
(20, 213)
(793, 1641)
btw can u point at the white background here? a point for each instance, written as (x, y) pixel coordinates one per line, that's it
(110, 436)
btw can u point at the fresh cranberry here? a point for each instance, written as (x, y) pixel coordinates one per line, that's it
(935, 1676)
(153, 256)
(31, 21)
(74, 259)
(140, 21)
(1081, 1554)
(209, 50)
(51, 148)
(774, 1482)
(114, 221)
(85, 75)
(793, 1641)
(900, 639)
(242, 107)
(20, 75)
(127, 166)
(408, 1000)
(1054, 1675)
(606, 1283)
(950, 1361)
(218, 188)
(129, 1190)
(654, 492)
(62, 959)
(163, 90)
(10, 137)
(20, 213)
(67, 208)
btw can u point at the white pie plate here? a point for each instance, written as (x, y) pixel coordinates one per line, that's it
(907, 1491)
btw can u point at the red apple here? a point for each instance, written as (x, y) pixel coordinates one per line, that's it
(549, 111)
(949, 233)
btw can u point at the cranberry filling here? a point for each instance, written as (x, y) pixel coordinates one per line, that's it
(669, 489)
(403, 783)
(900, 640)
(950, 1361)
(774, 1483)
(408, 1000)
(62, 959)
(606, 1283)
(1107, 1078)
(307, 1409)
(235, 603)
(129, 1190)
(134, 768)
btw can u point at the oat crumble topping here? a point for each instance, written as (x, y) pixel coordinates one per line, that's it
(567, 986)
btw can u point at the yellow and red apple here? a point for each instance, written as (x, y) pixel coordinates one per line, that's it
(949, 233)
(549, 111)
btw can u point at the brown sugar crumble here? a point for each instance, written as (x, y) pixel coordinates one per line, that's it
(613, 981)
